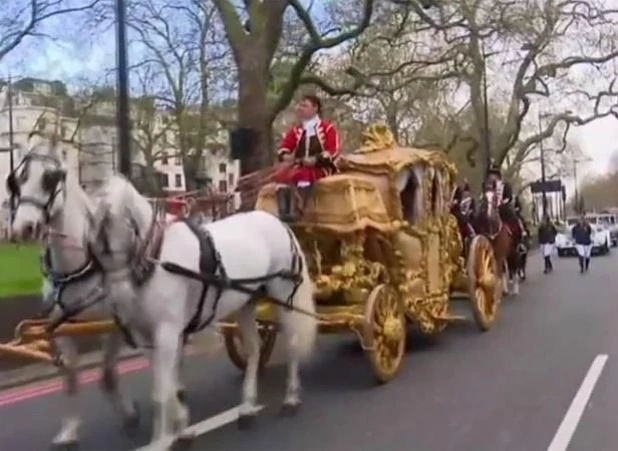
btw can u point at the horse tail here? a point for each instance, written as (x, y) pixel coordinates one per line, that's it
(301, 325)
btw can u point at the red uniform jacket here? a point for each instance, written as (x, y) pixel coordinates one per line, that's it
(327, 148)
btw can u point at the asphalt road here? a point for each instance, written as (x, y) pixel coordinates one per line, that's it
(511, 389)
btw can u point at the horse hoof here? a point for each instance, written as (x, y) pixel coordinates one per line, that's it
(182, 396)
(182, 443)
(132, 421)
(66, 446)
(246, 421)
(289, 410)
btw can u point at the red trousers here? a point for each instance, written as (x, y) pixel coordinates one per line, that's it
(292, 175)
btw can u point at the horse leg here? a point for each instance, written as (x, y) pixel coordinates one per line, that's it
(123, 405)
(292, 400)
(169, 413)
(67, 438)
(181, 390)
(505, 278)
(247, 322)
(524, 264)
(514, 273)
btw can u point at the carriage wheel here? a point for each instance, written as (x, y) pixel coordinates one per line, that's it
(385, 332)
(235, 347)
(484, 287)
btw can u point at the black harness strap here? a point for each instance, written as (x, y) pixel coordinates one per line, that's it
(210, 265)
(60, 281)
(212, 273)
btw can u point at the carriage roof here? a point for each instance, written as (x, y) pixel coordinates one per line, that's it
(380, 154)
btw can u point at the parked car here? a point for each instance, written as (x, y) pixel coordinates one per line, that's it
(608, 220)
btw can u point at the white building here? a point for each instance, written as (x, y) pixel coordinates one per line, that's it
(92, 155)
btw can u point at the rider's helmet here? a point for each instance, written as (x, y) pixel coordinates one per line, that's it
(465, 187)
(494, 169)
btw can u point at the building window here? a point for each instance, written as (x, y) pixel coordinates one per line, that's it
(178, 160)
(164, 161)
(222, 168)
(230, 179)
(223, 186)
(178, 180)
(165, 181)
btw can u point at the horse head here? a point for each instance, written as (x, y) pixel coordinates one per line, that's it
(37, 185)
(489, 212)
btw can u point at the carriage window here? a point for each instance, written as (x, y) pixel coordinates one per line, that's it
(435, 195)
(407, 197)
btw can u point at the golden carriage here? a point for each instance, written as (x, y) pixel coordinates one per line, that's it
(384, 250)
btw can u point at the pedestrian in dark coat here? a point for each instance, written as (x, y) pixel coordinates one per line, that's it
(547, 240)
(582, 235)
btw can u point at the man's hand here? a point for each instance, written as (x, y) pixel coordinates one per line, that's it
(287, 158)
(309, 161)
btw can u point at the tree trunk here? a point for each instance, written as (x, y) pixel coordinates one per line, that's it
(253, 113)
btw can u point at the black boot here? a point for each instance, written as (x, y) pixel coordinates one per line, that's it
(587, 264)
(551, 266)
(305, 194)
(581, 265)
(284, 203)
(547, 265)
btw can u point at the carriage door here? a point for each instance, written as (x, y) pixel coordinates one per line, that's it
(436, 233)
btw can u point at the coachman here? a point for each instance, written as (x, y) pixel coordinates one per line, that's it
(308, 152)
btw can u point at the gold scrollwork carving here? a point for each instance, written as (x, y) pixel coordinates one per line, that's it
(355, 276)
(377, 137)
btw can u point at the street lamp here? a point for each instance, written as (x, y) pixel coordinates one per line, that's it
(122, 97)
(487, 134)
(11, 148)
(576, 161)
(486, 109)
(543, 180)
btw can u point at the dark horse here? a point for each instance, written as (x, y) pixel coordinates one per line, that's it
(488, 222)
(523, 257)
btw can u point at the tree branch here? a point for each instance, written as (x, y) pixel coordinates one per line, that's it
(38, 11)
(316, 43)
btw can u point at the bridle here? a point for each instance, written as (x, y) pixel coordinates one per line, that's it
(52, 184)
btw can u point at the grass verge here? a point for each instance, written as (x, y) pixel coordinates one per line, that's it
(20, 271)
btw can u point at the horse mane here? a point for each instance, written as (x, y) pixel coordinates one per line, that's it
(125, 200)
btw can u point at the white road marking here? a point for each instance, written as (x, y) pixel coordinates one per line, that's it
(578, 405)
(210, 424)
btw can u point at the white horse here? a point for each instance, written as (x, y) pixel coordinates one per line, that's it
(241, 258)
(46, 196)
(207, 273)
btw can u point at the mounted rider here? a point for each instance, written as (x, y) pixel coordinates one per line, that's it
(508, 202)
(308, 152)
(463, 207)
(520, 215)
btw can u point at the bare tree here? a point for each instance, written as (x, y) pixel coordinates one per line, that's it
(182, 42)
(154, 129)
(22, 19)
(552, 56)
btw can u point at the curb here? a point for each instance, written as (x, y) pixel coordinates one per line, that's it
(43, 371)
